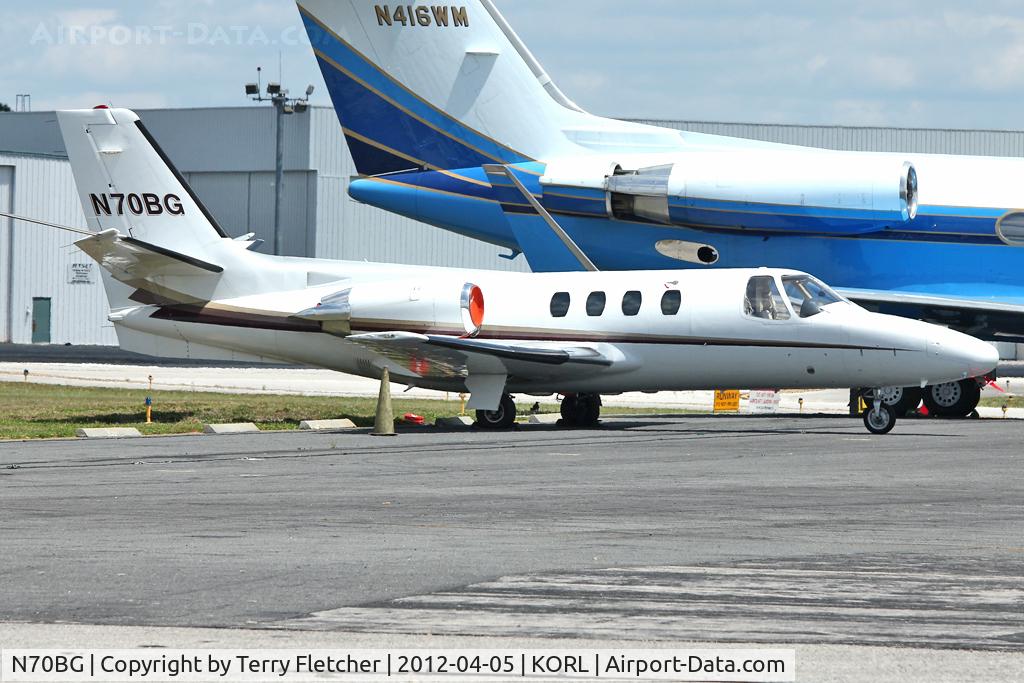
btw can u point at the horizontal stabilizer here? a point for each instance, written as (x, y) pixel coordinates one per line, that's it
(130, 259)
(160, 272)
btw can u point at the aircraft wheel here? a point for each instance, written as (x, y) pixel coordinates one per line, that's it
(880, 418)
(589, 409)
(502, 418)
(952, 399)
(568, 410)
(902, 400)
(581, 410)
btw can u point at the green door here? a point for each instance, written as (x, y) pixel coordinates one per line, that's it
(40, 321)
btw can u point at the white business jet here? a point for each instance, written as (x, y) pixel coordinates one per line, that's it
(179, 286)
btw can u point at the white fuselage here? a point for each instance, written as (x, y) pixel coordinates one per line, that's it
(711, 341)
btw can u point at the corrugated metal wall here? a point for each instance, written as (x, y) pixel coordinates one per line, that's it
(40, 257)
(6, 274)
(866, 139)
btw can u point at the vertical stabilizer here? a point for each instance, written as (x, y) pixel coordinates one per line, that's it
(126, 182)
(448, 86)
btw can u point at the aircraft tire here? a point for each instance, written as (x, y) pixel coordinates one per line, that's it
(902, 400)
(589, 409)
(502, 418)
(569, 410)
(580, 410)
(953, 399)
(880, 419)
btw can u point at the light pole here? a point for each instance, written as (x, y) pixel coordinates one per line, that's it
(284, 105)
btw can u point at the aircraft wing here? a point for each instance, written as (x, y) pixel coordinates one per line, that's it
(419, 355)
(996, 318)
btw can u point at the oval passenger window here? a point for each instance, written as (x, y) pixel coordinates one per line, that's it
(631, 303)
(560, 305)
(595, 304)
(671, 301)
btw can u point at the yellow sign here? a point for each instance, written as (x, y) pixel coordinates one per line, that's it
(727, 401)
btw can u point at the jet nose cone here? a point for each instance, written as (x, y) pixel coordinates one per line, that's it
(985, 358)
(973, 357)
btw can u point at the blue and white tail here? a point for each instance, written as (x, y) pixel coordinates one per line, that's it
(447, 87)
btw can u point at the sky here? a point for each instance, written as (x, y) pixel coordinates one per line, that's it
(933, 64)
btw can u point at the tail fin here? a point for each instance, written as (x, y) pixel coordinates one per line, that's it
(127, 183)
(447, 87)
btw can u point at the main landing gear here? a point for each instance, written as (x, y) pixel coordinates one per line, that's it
(578, 410)
(952, 399)
(581, 410)
(502, 418)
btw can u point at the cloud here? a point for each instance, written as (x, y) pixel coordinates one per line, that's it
(865, 63)
(873, 62)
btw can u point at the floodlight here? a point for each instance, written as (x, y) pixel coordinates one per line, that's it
(273, 88)
(301, 107)
(252, 89)
(309, 90)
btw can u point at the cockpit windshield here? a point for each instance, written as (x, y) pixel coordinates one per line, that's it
(808, 295)
(763, 299)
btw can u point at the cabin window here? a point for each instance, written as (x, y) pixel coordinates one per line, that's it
(671, 301)
(808, 295)
(560, 305)
(631, 302)
(595, 304)
(763, 299)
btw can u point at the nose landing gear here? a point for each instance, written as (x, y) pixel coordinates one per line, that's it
(880, 418)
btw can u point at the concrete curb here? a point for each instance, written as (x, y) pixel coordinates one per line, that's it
(457, 422)
(326, 425)
(108, 433)
(236, 428)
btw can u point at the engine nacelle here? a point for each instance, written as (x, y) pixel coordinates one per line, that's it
(439, 308)
(806, 191)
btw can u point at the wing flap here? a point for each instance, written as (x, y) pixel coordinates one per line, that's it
(445, 356)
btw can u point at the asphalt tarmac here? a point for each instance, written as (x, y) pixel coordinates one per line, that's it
(802, 531)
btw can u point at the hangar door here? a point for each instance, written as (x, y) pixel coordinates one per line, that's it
(6, 185)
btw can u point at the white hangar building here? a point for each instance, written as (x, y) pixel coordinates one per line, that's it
(49, 292)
